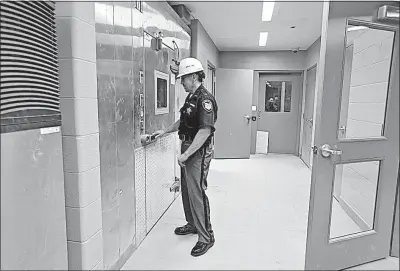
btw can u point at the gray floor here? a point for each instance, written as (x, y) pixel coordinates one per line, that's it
(259, 210)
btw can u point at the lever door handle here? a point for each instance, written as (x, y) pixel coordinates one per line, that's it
(327, 151)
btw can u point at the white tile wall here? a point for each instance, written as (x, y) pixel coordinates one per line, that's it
(78, 40)
(356, 128)
(79, 116)
(375, 73)
(82, 189)
(79, 79)
(83, 223)
(86, 255)
(369, 93)
(83, 11)
(81, 153)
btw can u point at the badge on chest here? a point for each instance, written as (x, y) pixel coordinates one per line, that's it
(190, 109)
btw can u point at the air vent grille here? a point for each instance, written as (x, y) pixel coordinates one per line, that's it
(29, 66)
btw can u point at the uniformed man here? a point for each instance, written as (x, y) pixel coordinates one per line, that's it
(196, 129)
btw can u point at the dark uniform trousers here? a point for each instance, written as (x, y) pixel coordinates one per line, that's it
(193, 185)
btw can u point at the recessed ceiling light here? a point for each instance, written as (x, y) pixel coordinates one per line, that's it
(267, 11)
(263, 39)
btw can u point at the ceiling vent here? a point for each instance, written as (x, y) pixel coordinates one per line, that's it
(183, 13)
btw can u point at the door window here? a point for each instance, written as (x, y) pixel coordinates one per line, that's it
(354, 196)
(278, 96)
(366, 82)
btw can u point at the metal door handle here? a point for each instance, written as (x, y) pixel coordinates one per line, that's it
(327, 151)
(247, 117)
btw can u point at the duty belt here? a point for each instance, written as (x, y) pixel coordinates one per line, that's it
(186, 138)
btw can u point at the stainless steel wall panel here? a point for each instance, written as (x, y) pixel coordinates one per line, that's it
(126, 185)
(135, 180)
(124, 119)
(106, 91)
(140, 192)
(138, 67)
(108, 165)
(111, 235)
(159, 61)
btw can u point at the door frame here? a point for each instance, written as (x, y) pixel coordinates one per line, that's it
(211, 66)
(321, 253)
(303, 107)
(213, 89)
(256, 90)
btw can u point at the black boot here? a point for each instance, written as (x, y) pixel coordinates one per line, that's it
(184, 230)
(201, 248)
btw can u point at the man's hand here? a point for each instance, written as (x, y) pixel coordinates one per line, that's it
(158, 134)
(182, 159)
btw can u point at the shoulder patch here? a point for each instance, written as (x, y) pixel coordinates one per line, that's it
(207, 105)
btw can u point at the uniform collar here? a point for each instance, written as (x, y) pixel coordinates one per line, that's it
(195, 93)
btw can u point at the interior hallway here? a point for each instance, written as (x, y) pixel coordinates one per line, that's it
(259, 210)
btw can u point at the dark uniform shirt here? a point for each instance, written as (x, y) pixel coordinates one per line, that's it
(199, 111)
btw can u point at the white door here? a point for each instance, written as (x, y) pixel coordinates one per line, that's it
(279, 106)
(354, 225)
(308, 115)
(234, 93)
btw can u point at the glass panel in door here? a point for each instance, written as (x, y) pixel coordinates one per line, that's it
(355, 166)
(366, 80)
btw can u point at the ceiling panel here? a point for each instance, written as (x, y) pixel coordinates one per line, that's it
(235, 26)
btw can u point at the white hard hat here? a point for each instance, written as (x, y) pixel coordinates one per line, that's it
(189, 65)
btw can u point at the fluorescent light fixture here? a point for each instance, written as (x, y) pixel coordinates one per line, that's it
(263, 39)
(356, 27)
(267, 11)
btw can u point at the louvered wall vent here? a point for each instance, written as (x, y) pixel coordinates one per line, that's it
(29, 66)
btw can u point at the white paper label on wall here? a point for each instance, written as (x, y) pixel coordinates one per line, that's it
(172, 79)
(254, 108)
(49, 130)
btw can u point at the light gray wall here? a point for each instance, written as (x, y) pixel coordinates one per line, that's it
(254, 127)
(261, 61)
(312, 54)
(202, 46)
(395, 236)
(311, 59)
(267, 61)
